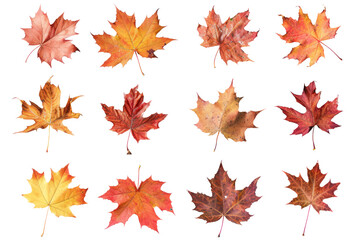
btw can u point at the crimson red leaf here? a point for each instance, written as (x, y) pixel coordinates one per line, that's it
(313, 116)
(130, 118)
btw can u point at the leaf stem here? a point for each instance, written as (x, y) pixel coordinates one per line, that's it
(331, 50)
(215, 56)
(306, 220)
(222, 224)
(47, 213)
(31, 53)
(47, 148)
(313, 138)
(127, 144)
(217, 136)
(139, 63)
(138, 182)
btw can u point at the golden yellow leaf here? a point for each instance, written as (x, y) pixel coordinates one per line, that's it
(55, 194)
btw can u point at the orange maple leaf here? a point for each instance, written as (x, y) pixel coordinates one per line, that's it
(308, 35)
(55, 194)
(223, 116)
(230, 36)
(51, 38)
(129, 39)
(138, 199)
(51, 115)
(311, 193)
(226, 201)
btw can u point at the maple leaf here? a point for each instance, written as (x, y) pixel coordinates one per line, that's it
(223, 116)
(130, 118)
(230, 36)
(225, 202)
(138, 199)
(129, 39)
(51, 115)
(55, 194)
(51, 38)
(308, 35)
(313, 116)
(310, 193)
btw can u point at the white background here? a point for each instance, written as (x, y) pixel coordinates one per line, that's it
(178, 153)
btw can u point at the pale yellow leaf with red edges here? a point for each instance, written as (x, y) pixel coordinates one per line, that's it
(55, 194)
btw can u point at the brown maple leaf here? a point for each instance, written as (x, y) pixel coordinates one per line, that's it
(225, 202)
(51, 38)
(130, 118)
(138, 199)
(230, 36)
(310, 193)
(129, 39)
(223, 116)
(313, 116)
(51, 115)
(55, 194)
(308, 35)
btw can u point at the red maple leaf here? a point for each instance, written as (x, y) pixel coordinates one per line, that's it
(130, 118)
(138, 199)
(310, 193)
(230, 36)
(313, 116)
(51, 38)
(225, 202)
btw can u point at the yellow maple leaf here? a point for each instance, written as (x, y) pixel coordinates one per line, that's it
(55, 194)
